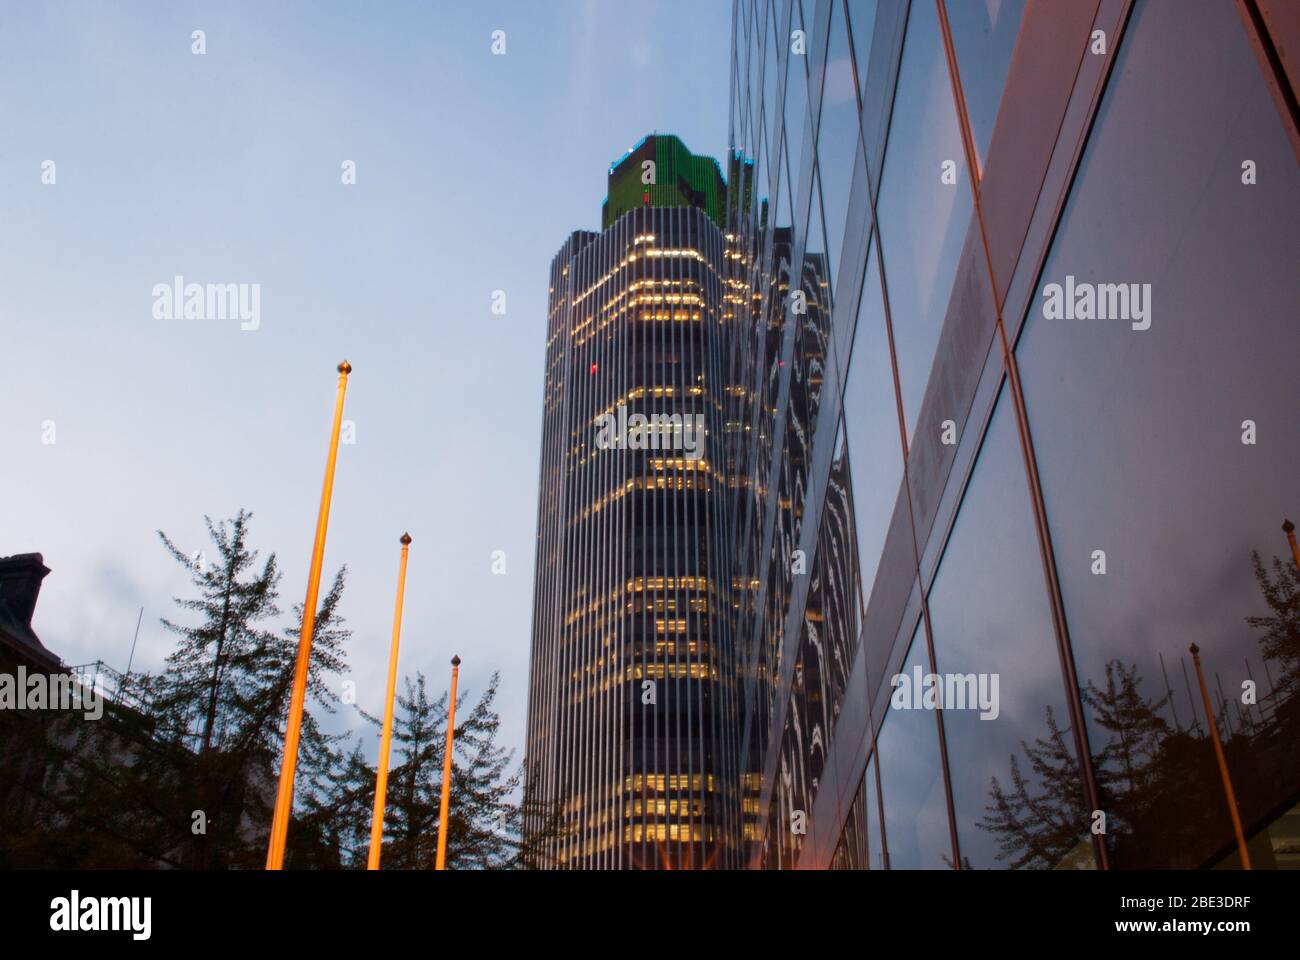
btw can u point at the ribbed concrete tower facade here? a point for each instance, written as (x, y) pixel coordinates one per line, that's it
(632, 745)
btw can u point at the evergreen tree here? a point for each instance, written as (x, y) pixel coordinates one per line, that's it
(189, 778)
(414, 779)
(210, 653)
(318, 751)
(183, 769)
(1281, 639)
(335, 826)
(1126, 766)
(482, 820)
(1042, 817)
(201, 701)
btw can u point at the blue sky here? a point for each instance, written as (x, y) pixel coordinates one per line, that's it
(226, 168)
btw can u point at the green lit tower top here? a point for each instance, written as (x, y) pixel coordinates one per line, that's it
(681, 179)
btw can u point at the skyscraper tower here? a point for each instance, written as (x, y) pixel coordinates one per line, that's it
(632, 739)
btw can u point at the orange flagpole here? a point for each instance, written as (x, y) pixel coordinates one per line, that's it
(1223, 764)
(446, 769)
(381, 780)
(1289, 529)
(293, 729)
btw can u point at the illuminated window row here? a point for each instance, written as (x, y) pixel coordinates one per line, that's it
(650, 253)
(649, 283)
(662, 605)
(684, 582)
(671, 671)
(674, 316)
(636, 393)
(644, 483)
(579, 339)
(593, 621)
(674, 647)
(698, 605)
(637, 807)
(690, 299)
(670, 463)
(659, 782)
(681, 832)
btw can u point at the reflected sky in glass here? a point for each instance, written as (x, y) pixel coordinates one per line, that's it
(990, 615)
(923, 221)
(837, 138)
(916, 811)
(871, 420)
(984, 36)
(862, 24)
(1139, 432)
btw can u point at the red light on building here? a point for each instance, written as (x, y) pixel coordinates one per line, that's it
(593, 368)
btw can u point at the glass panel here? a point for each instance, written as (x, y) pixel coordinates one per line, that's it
(923, 219)
(736, 97)
(754, 46)
(851, 851)
(983, 36)
(871, 419)
(875, 847)
(862, 27)
(1010, 742)
(795, 794)
(816, 278)
(837, 138)
(811, 692)
(916, 812)
(772, 79)
(1175, 449)
(783, 204)
(811, 333)
(796, 89)
(843, 605)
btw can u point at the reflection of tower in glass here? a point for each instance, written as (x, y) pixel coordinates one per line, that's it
(632, 743)
(1001, 457)
(782, 358)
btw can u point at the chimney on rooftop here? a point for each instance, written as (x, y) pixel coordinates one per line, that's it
(20, 584)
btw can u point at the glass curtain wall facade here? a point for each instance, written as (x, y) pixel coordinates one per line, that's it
(1029, 269)
(631, 719)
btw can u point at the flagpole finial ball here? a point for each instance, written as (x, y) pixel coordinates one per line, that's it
(345, 368)
(1288, 526)
(1195, 649)
(406, 539)
(455, 661)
